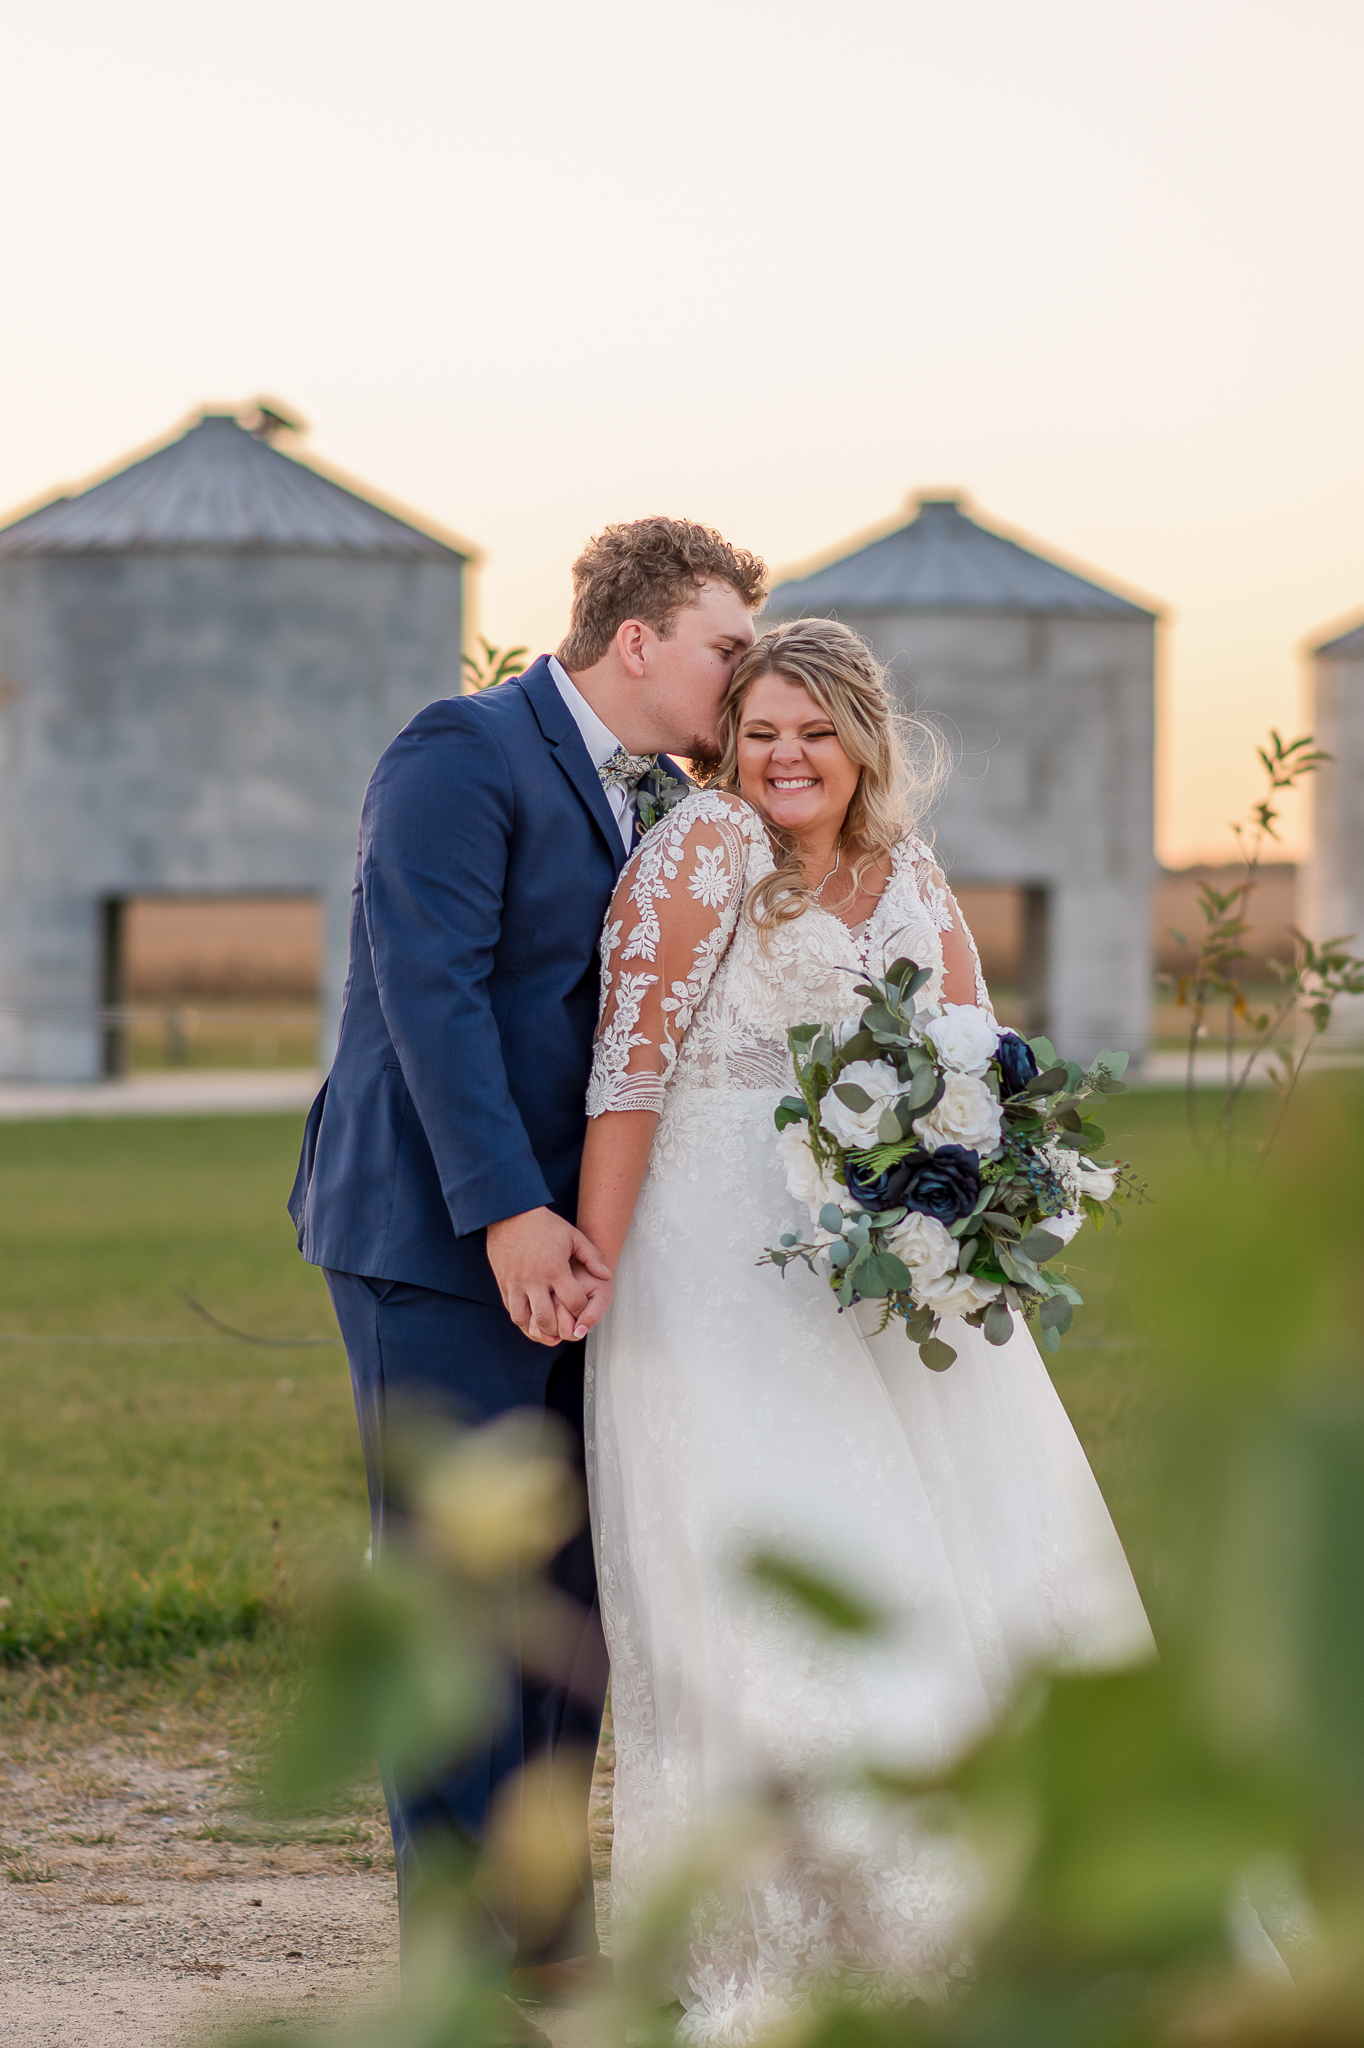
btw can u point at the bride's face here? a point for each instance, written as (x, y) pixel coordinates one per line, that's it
(791, 762)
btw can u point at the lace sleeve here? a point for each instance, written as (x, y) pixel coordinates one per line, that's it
(672, 917)
(961, 960)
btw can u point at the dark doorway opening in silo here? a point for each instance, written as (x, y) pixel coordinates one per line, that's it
(1011, 923)
(211, 981)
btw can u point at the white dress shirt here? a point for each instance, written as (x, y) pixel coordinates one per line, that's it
(601, 744)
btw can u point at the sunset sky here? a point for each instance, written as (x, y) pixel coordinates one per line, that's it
(530, 267)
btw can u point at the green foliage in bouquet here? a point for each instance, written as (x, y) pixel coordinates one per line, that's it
(928, 1226)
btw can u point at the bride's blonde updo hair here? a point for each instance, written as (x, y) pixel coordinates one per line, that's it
(900, 758)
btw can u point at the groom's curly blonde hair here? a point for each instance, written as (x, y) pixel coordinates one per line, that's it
(901, 758)
(650, 569)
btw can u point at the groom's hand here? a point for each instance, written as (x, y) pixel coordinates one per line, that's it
(532, 1256)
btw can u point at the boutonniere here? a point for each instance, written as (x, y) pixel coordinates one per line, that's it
(657, 794)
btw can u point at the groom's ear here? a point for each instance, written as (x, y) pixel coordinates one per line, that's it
(632, 643)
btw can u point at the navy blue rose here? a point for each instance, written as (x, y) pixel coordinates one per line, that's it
(877, 1190)
(945, 1183)
(1017, 1064)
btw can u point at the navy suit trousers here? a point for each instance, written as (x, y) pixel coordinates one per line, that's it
(415, 1348)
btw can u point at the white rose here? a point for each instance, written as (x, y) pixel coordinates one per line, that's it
(968, 1114)
(963, 1038)
(1095, 1181)
(927, 1248)
(957, 1294)
(856, 1128)
(806, 1180)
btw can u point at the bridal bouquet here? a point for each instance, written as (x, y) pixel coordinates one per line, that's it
(944, 1163)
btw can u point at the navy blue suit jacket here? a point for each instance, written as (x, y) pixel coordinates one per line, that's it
(488, 854)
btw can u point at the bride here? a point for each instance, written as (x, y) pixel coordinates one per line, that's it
(734, 1412)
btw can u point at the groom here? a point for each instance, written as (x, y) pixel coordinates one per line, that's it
(439, 1176)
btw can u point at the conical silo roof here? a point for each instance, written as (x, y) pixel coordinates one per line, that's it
(945, 561)
(1348, 646)
(220, 489)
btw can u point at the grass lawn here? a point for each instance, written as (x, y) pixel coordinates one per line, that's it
(163, 1500)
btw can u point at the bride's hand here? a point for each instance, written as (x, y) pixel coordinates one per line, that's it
(598, 1292)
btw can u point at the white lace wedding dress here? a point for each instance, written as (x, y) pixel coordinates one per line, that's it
(731, 1411)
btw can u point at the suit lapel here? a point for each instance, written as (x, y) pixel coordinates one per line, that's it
(557, 724)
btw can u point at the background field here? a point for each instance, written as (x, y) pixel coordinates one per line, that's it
(164, 1500)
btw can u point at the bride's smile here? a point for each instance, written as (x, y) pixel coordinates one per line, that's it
(791, 762)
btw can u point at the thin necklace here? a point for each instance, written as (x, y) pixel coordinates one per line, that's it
(829, 877)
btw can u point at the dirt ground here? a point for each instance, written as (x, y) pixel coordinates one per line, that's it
(143, 1907)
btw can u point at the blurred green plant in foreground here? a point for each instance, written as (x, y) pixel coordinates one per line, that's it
(1173, 1854)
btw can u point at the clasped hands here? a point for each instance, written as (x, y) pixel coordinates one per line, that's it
(555, 1284)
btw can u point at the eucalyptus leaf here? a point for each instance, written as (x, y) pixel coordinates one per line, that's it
(888, 1127)
(852, 1097)
(936, 1355)
(1056, 1314)
(1039, 1245)
(839, 1254)
(1050, 1338)
(831, 1218)
(1043, 1051)
(881, 1273)
(998, 1325)
(925, 1089)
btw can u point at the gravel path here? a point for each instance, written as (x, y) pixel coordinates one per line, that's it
(142, 1910)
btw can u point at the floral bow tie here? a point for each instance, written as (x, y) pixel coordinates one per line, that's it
(626, 771)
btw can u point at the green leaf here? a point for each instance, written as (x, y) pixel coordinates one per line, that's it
(852, 1097)
(885, 1024)
(1056, 1314)
(824, 1599)
(1044, 1052)
(998, 1325)
(881, 1273)
(1039, 1245)
(925, 1089)
(1050, 1338)
(831, 1217)
(936, 1355)
(839, 1255)
(789, 1111)
(888, 1127)
(788, 1238)
(1114, 1062)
